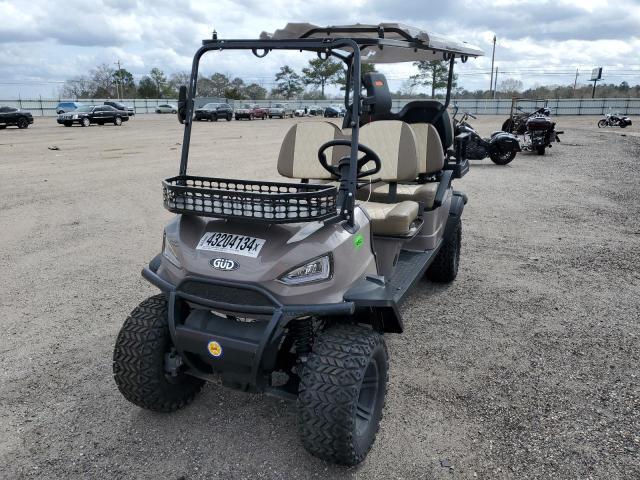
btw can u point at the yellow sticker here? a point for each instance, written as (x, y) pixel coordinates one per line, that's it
(214, 348)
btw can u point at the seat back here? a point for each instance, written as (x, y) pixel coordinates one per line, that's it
(426, 111)
(395, 143)
(299, 151)
(430, 151)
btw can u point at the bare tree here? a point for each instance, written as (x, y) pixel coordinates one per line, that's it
(79, 87)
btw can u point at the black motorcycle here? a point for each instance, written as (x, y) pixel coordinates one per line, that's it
(537, 129)
(614, 120)
(502, 147)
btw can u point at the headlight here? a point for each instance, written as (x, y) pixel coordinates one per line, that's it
(169, 252)
(316, 270)
(75, 117)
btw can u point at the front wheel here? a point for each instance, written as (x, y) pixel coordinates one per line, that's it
(444, 268)
(23, 122)
(342, 392)
(174, 111)
(502, 158)
(229, 117)
(67, 124)
(541, 150)
(141, 357)
(602, 123)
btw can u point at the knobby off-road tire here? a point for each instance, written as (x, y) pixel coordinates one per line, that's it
(342, 393)
(138, 361)
(444, 268)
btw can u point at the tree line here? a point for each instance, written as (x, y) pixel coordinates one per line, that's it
(310, 83)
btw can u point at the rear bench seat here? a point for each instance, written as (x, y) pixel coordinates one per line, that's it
(390, 140)
(431, 160)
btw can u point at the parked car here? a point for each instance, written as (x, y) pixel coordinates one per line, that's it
(251, 111)
(334, 111)
(316, 110)
(214, 111)
(64, 107)
(98, 114)
(300, 112)
(166, 108)
(14, 116)
(122, 107)
(280, 110)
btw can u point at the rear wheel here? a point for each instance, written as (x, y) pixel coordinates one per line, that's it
(507, 126)
(229, 117)
(342, 393)
(602, 123)
(623, 125)
(444, 268)
(541, 150)
(23, 122)
(117, 121)
(502, 158)
(141, 357)
(85, 122)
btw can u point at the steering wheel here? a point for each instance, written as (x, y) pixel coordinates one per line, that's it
(369, 156)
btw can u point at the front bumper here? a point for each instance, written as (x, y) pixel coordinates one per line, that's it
(204, 312)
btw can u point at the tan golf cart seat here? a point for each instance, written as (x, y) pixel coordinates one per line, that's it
(390, 140)
(431, 160)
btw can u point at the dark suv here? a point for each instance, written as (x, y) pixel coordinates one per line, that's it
(88, 114)
(122, 107)
(14, 116)
(214, 111)
(64, 107)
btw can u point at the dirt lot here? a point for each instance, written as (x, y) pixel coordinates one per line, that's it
(525, 367)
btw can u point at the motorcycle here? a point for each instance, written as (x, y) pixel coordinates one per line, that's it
(614, 120)
(536, 128)
(502, 147)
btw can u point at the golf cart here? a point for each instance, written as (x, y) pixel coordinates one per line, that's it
(287, 288)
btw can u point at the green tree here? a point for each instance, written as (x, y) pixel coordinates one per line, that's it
(159, 79)
(147, 87)
(434, 74)
(124, 82)
(288, 83)
(321, 72)
(235, 90)
(219, 84)
(364, 68)
(255, 92)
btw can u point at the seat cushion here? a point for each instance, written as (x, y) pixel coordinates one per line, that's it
(391, 218)
(422, 192)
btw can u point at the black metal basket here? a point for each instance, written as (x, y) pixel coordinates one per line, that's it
(272, 202)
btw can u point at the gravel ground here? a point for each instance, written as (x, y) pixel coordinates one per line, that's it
(525, 367)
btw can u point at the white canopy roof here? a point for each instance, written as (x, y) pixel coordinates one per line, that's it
(374, 54)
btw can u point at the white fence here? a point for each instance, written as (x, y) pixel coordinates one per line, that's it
(569, 106)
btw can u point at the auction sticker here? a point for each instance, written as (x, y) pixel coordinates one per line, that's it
(231, 243)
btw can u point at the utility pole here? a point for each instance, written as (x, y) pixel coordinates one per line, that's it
(118, 87)
(495, 88)
(575, 83)
(493, 57)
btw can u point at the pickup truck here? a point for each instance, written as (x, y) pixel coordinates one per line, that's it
(122, 107)
(280, 110)
(251, 111)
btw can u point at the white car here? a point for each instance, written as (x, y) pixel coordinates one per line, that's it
(166, 108)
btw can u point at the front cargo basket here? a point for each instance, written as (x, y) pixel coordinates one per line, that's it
(273, 202)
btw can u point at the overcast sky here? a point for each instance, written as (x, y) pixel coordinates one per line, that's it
(44, 42)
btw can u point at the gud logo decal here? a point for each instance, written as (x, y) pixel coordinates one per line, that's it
(215, 349)
(224, 264)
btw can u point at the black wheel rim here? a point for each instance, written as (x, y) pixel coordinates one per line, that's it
(367, 398)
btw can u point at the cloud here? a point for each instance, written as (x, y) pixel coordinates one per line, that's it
(45, 41)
